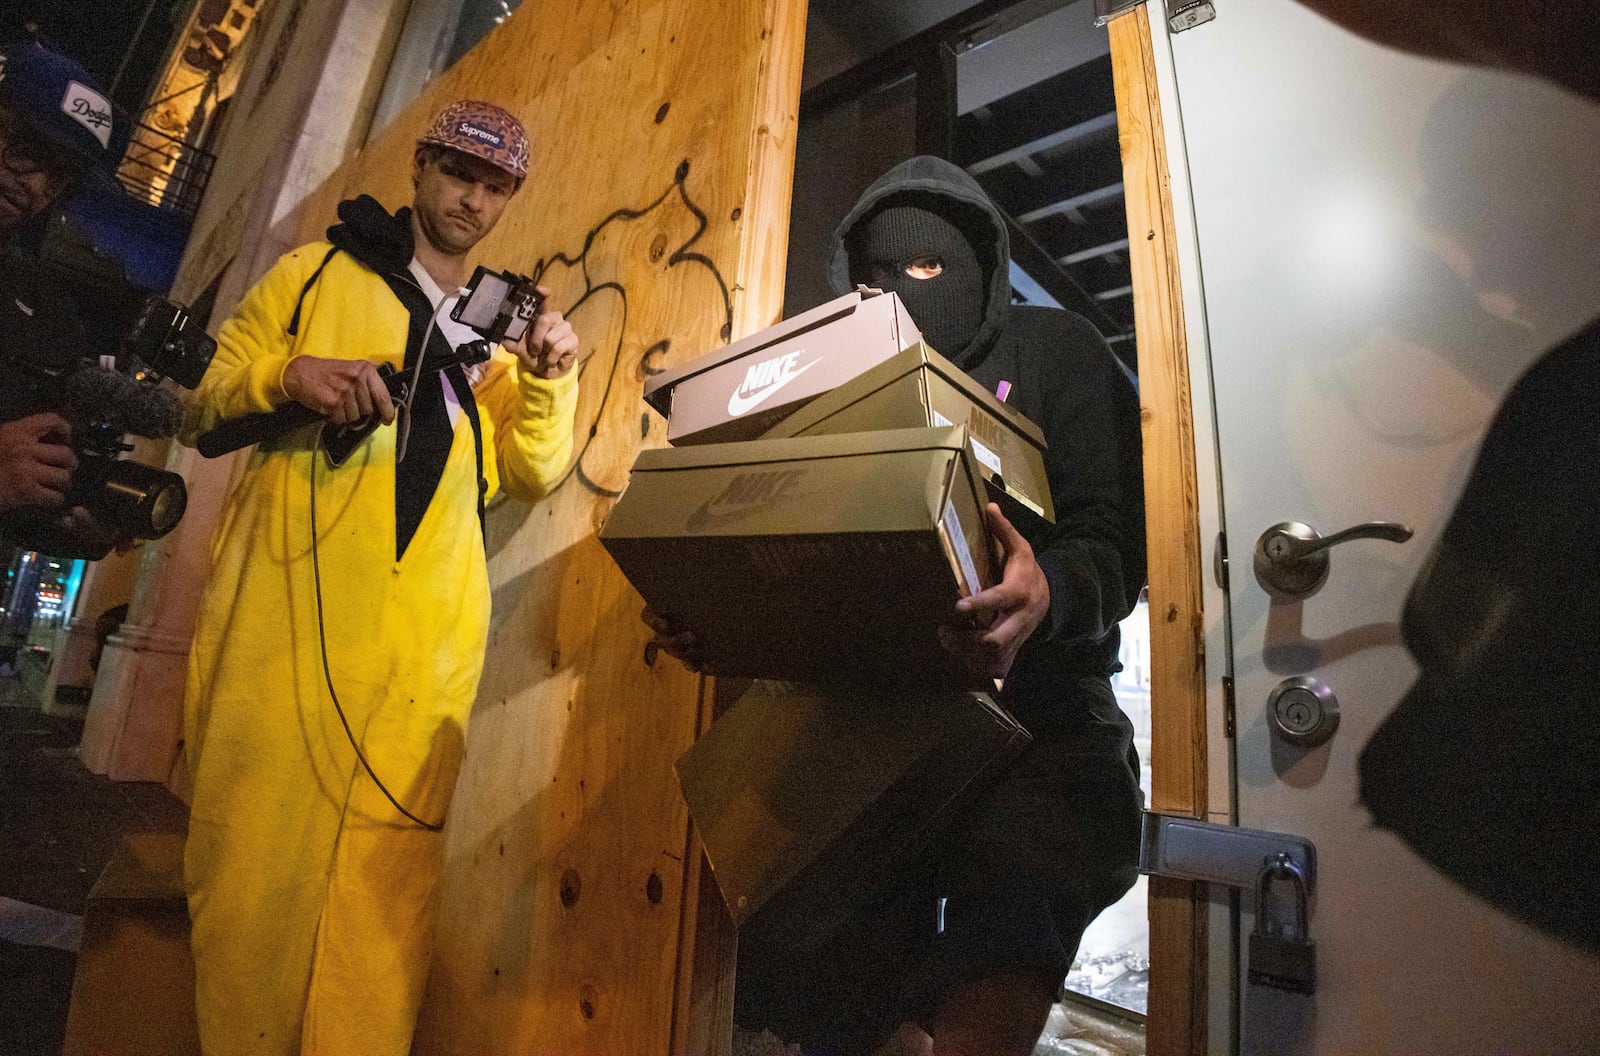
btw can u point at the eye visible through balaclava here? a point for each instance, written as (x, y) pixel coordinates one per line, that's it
(947, 308)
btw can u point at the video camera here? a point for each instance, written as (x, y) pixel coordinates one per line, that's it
(103, 397)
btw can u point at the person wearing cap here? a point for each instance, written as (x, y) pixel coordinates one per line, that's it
(349, 605)
(54, 126)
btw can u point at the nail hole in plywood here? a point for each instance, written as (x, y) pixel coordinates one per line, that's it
(571, 888)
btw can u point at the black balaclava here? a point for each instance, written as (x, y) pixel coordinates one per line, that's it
(947, 308)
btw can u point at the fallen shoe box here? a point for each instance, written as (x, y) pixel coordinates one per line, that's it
(807, 800)
(920, 387)
(826, 559)
(133, 990)
(738, 392)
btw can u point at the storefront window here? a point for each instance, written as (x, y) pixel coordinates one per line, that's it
(35, 599)
(436, 34)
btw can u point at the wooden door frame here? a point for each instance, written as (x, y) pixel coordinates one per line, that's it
(1179, 941)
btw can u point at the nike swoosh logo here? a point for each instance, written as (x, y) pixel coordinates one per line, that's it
(711, 514)
(738, 405)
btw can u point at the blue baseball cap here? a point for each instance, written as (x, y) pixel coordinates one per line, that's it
(57, 98)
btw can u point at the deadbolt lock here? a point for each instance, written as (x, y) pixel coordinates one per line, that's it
(1303, 711)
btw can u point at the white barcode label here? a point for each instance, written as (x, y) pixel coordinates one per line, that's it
(958, 544)
(986, 456)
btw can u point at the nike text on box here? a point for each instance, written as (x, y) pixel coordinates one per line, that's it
(809, 800)
(823, 559)
(740, 391)
(919, 387)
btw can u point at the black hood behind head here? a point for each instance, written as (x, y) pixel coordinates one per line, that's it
(934, 180)
(369, 233)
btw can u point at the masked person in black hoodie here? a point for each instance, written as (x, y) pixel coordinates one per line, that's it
(967, 954)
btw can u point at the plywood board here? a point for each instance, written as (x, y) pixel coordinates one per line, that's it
(656, 209)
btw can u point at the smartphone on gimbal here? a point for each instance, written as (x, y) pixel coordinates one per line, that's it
(498, 304)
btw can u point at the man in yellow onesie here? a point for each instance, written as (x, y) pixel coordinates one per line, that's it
(349, 606)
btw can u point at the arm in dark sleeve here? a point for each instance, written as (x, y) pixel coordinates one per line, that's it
(1094, 555)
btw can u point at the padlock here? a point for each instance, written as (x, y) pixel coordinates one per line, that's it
(1281, 951)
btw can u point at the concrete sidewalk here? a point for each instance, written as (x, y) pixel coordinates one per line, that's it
(59, 825)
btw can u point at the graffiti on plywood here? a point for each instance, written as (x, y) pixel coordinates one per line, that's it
(638, 292)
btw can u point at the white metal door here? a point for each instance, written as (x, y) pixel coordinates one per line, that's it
(1383, 244)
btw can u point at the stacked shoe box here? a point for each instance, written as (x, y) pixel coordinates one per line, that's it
(820, 512)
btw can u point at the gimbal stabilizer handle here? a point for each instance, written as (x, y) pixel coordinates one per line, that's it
(234, 433)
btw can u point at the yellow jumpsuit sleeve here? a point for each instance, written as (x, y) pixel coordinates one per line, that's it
(253, 348)
(532, 425)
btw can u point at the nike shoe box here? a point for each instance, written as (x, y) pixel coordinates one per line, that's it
(133, 985)
(741, 390)
(807, 800)
(919, 387)
(825, 559)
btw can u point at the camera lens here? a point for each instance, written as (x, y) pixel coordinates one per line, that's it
(167, 503)
(139, 500)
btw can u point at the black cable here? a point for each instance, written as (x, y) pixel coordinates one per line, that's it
(327, 675)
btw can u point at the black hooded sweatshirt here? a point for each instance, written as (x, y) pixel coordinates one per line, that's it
(1065, 378)
(1022, 869)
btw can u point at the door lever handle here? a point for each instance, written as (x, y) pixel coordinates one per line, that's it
(1283, 545)
(1291, 559)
